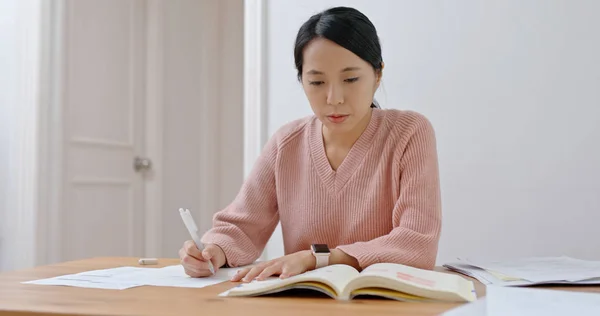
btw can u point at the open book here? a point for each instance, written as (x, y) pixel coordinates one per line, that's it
(387, 280)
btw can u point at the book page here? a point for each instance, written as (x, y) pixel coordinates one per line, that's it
(335, 276)
(419, 282)
(420, 277)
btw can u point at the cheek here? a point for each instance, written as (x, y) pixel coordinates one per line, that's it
(315, 97)
(360, 95)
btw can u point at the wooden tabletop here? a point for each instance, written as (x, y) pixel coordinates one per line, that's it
(29, 299)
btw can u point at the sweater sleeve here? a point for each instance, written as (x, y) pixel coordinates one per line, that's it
(243, 228)
(416, 216)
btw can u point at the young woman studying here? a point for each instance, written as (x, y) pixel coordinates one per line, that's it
(352, 184)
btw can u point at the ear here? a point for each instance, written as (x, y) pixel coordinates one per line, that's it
(379, 74)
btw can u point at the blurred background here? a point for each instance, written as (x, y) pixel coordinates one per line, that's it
(115, 113)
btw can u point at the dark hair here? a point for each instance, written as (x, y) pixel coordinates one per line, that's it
(346, 27)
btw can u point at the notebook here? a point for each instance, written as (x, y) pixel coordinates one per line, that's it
(384, 280)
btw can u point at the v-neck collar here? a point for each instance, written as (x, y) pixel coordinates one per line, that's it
(335, 180)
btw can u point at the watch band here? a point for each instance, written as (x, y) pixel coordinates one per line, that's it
(322, 260)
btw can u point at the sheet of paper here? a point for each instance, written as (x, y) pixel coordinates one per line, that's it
(98, 279)
(175, 276)
(477, 308)
(86, 283)
(484, 276)
(487, 278)
(127, 277)
(501, 301)
(112, 272)
(543, 269)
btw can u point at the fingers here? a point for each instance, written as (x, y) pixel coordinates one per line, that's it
(192, 250)
(270, 270)
(193, 261)
(263, 271)
(211, 253)
(207, 255)
(196, 273)
(290, 271)
(283, 268)
(181, 254)
(196, 266)
(240, 274)
(254, 272)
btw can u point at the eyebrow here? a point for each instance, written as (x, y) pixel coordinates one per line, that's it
(316, 72)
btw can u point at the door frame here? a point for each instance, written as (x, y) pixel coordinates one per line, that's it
(51, 137)
(153, 132)
(255, 81)
(255, 84)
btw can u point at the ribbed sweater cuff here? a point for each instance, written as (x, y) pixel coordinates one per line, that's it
(232, 253)
(361, 253)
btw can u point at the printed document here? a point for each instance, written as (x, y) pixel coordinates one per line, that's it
(127, 277)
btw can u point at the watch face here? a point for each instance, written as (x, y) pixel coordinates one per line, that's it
(320, 248)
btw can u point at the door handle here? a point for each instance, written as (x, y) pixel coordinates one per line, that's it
(142, 164)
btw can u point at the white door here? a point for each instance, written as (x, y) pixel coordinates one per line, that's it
(142, 78)
(102, 210)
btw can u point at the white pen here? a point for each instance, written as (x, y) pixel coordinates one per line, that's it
(186, 216)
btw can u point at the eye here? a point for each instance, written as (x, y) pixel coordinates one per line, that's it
(350, 80)
(315, 83)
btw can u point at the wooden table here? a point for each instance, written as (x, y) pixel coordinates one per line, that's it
(28, 299)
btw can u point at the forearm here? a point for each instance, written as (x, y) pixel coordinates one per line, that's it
(243, 228)
(339, 257)
(233, 238)
(402, 245)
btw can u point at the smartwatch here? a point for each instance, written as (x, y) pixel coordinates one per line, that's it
(321, 253)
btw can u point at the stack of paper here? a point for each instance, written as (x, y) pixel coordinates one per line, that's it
(502, 301)
(127, 277)
(530, 271)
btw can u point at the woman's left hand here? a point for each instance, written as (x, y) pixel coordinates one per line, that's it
(285, 267)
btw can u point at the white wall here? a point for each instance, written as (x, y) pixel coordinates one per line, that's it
(19, 53)
(8, 33)
(513, 91)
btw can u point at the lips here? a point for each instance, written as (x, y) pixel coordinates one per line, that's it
(337, 118)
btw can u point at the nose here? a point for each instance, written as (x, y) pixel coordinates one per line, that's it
(335, 95)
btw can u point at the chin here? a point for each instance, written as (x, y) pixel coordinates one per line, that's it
(339, 127)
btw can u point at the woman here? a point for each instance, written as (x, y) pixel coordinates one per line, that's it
(353, 184)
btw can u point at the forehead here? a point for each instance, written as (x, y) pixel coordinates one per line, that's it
(324, 55)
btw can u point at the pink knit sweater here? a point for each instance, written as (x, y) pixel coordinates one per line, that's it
(381, 205)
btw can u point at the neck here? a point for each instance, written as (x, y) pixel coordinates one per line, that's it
(346, 139)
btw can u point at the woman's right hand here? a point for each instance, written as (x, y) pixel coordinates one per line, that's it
(195, 263)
